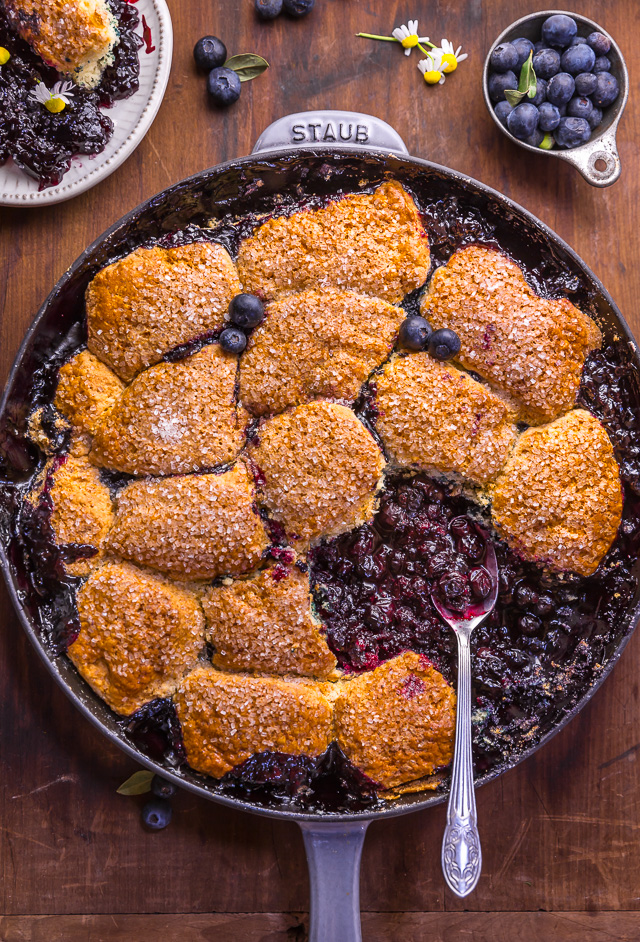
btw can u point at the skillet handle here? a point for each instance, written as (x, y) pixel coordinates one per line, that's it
(330, 128)
(333, 855)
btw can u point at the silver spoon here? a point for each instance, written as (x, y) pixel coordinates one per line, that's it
(461, 853)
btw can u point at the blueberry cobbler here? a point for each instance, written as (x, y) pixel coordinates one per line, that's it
(61, 62)
(259, 471)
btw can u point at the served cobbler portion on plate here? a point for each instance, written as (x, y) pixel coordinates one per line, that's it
(254, 539)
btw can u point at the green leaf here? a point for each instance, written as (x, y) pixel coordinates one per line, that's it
(547, 142)
(247, 65)
(513, 97)
(137, 784)
(528, 82)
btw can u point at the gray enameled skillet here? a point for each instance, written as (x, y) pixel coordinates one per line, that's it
(304, 155)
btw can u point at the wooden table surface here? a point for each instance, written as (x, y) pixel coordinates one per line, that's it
(560, 832)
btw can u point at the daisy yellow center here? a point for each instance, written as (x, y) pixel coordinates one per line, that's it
(54, 105)
(410, 41)
(5, 55)
(432, 77)
(449, 62)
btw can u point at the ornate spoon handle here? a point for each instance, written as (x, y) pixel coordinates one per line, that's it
(461, 854)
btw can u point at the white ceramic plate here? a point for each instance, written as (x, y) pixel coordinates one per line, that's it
(132, 118)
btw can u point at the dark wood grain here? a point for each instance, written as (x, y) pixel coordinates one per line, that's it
(560, 832)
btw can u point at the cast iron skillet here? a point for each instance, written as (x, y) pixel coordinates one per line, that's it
(299, 157)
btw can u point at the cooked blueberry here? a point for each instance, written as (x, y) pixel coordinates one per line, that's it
(559, 30)
(233, 340)
(498, 82)
(209, 52)
(523, 120)
(268, 9)
(480, 582)
(535, 139)
(585, 83)
(548, 116)
(541, 92)
(444, 344)
(298, 7)
(561, 88)
(577, 59)
(602, 64)
(414, 332)
(546, 63)
(524, 47)
(571, 132)
(607, 89)
(162, 787)
(529, 624)
(595, 117)
(246, 311)
(504, 57)
(224, 85)
(600, 43)
(156, 814)
(503, 109)
(580, 107)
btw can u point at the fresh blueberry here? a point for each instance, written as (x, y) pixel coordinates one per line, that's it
(548, 116)
(600, 43)
(246, 311)
(524, 48)
(233, 340)
(538, 46)
(224, 85)
(415, 332)
(606, 89)
(580, 107)
(585, 83)
(541, 92)
(535, 139)
(503, 109)
(571, 132)
(444, 343)
(561, 88)
(209, 52)
(562, 109)
(578, 59)
(602, 64)
(298, 7)
(156, 814)
(559, 29)
(504, 57)
(498, 82)
(546, 63)
(523, 120)
(268, 9)
(577, 41)
(162, 788)
(595, 118)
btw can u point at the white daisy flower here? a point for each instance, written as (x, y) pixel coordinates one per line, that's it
(408, 37)
(55, 99)
(431, 68)
(449, 58)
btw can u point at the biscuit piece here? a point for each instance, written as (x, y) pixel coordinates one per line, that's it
(87, 389)
(198, 526)
(265, 624)
(320, 467)
(155, 299)
(558, 501)
(370, 243)
(175, 418)
(314, 345)
(437, 418)
(81, 514)
(76, 37)
(397, 722)
(531, 347)
(226, 718)
(139, 634)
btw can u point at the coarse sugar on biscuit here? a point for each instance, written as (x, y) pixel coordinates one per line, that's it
(86, 391)
(143, 305)
(558, 501)
(372, 243)
(175, 418)
(320, 469)
(434, 417)
(139, 634)
(532, 348)
(226, 718)
(397, 722)
(315, 345)
(265, 623)
(195, 526)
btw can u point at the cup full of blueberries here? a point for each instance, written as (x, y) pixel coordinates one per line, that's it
(557, 83)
